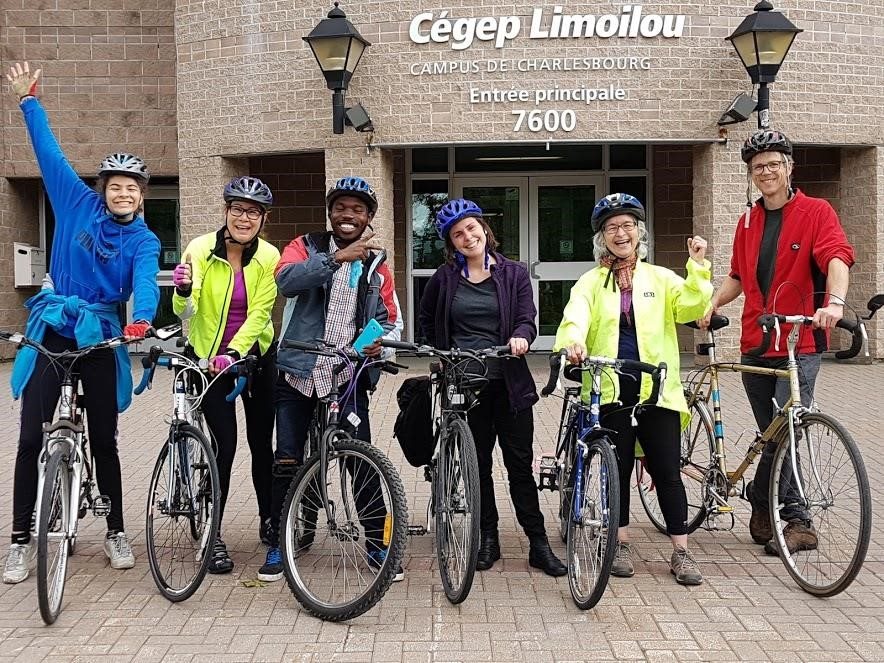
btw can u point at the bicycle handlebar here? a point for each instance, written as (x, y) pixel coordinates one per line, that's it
(318, 348)
(771, 321)
(657, 373)
(243, 368)
(494, 351)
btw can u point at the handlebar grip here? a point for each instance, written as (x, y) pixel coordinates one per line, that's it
(237, 389)
(392, 369)
(398, 345)
(658, 377)
(766, 322)
(555, 365)
(287, 344)
(145, 377)
(856, 329)
(501, 350)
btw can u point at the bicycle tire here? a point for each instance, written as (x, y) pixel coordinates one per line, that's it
(697, 456)
(592, 536)
(824, 570)
(192, 528)
(456, 488)
(53, 528)
(315, 550)
(564, 479)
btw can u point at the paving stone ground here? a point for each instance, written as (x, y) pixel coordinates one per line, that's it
(748, 609)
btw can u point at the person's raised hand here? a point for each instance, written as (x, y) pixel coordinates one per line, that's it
(22, 82)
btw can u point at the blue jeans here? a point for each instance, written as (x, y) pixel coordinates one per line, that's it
(761, 389)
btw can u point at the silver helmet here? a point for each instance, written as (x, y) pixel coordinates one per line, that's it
(120, 163)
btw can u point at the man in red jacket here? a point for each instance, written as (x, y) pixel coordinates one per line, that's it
(790, 255)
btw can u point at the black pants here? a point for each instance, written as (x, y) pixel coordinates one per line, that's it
(99, 378)
(294, 412)
(659, 431)
(491, 420)
(221, 418)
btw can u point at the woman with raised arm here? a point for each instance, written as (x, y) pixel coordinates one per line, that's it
(102, 254)
(628, 308)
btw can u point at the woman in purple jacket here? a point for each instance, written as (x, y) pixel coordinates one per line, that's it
(477, 300)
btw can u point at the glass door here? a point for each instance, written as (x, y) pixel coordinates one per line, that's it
(560, 245)
(504, 202)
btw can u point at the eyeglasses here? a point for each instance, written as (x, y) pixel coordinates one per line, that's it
(771, 166)
(252, 214)
(628, 226)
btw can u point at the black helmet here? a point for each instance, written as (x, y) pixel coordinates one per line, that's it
(248, 188)
(353, 186)
(120, 163)
(614, 204)
(766, 140)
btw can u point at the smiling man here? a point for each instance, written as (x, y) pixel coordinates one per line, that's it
(790, 256)
(335, 282)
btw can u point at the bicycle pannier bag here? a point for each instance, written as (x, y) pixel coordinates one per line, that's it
(414, 423)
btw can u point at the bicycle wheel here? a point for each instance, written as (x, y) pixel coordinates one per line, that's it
(697, 453)
(832, 475)
(456, 488)
(52, 532)
(182, 521)
(592, 525)
(340, 567)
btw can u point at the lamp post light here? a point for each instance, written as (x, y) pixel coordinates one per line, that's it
(337, 47)
(762, 41)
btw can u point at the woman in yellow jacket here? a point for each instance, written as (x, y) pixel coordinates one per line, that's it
(627, 308)
(226, 288)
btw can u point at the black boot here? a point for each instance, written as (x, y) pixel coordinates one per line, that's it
(489, 550)
(541, 556)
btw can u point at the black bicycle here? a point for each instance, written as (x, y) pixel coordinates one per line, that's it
(344, 519)
(585, 473)
(457, 376)
(182, 519)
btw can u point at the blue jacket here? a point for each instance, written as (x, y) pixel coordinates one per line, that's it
(94, 259)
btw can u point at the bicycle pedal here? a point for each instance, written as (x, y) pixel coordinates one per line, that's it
(547, 473)
(725, 509)
(101, 506)
(416, 530)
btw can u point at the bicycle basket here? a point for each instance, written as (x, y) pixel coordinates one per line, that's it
(414, 423)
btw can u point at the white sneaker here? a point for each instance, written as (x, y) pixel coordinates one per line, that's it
(117, 549)
(21, 560)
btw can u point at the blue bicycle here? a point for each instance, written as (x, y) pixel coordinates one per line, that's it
(584, 472)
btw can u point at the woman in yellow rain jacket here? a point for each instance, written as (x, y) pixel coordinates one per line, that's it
(226, 288)
(627, 308)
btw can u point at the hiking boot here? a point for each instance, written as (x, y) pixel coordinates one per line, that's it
(759, 523)
(798, 535)
(272, 569)
(376, 559)
(116, 547)
(220, 562)
(489, 550)
(684, 567)
(21, 560)
(622, 566)
(541, 556)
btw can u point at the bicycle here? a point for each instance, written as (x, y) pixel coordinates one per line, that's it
(181, 520)
(584, 472)
(66, 481)
(332, 575)
(816, 443)
(453, 471)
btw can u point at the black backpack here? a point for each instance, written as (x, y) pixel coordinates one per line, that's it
(414, 423)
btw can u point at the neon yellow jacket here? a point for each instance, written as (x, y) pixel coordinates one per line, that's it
(209, 300)
(660, 299)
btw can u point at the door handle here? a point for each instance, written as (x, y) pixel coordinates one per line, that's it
(532, 270)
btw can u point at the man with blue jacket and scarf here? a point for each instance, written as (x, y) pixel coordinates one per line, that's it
(334, 284)
(102, 253)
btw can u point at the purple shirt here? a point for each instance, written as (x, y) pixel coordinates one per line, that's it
(236, 315)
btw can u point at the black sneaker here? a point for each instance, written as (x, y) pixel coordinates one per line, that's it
(272, 569)
(220, 561)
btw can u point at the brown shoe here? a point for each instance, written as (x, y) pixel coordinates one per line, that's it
(798, 537)
(759, 523)
(684, 567)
